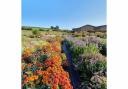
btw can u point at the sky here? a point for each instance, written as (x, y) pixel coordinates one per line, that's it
(67, 14)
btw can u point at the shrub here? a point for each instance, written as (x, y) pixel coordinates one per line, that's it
(91, 40)
(90, 66)
(41, 29)
(35, 32)
(103, 49)
(89, 60)
(98, 82)
(94, 63)
(101, 34)
(56, 28)
(75, 53)
(91, 49)
(67, 43)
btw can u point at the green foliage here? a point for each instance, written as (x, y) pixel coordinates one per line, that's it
(52, 27)
(43, 58)
(36, 32)
(63, 56)
(43, 87)
(41, 29)
(98, 82)
(56, 28)
(91, 49)
(68, 43)
(76, 52)
(103, 49)
(26, 28)
(89, 62)
(91, 65)
(93, 68)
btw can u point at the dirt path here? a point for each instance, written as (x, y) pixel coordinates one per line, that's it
(74, 76)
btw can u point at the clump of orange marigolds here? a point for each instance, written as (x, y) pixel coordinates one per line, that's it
(55, 60)
(55, 76)
(47, 72)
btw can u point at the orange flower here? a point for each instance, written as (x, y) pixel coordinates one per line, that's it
(39, 64)
(22, 67)
(56, 46)
(27, 52)
(39, 72)
(31, 78)
(29, 65)
(54, 74)
(35, 77)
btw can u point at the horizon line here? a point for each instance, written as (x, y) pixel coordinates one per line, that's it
(61, 27)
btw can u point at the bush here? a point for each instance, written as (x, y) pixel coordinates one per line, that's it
(67, 43)
(56, 28)
(35, 32)
(90, 66)
(91, 40)
(89, 61)
(41, 29)
(98, 82)
(91, 49)
(101, 34)
(103, 49)
(76, 51)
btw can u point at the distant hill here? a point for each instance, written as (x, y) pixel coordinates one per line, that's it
(91, 28)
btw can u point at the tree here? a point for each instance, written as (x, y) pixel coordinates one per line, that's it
(57, 27)
(26, 28)
(52, 27)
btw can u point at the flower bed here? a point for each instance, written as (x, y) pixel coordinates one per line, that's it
(42, 66)
(89, 58)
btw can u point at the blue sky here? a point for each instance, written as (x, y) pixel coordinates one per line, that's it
(66, 14)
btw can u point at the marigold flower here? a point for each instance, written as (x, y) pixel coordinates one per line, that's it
(54, 74)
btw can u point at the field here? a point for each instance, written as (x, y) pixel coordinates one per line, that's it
(63, 60)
